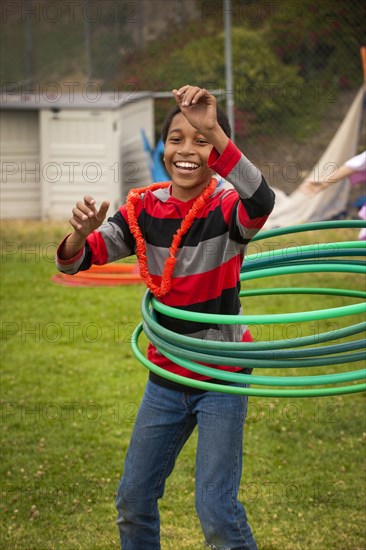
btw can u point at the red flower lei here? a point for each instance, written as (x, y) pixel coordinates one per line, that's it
(132, 198)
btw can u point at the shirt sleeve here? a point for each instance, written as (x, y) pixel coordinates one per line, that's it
(111, 242)
(357, 163)
(255, 199)
(72, 265)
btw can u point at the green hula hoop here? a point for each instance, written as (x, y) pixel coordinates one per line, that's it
(321, 250)
(196, 343)
(209, 386)
(184, 359)
(305, 227)
(190, 353)
(274, 318)
(313, 357)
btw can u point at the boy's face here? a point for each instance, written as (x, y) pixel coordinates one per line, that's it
(185, 155)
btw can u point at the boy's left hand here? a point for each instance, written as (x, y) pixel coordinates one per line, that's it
(198, 106)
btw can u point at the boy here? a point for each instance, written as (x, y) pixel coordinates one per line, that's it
(190, 239)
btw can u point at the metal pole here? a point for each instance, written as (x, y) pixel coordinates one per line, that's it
(180, 13)
(28, 43)
(140, 24)
(229, 67)
(87, 37)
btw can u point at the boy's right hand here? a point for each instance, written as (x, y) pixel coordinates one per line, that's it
(86, 218)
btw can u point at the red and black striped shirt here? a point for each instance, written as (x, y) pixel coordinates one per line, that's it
(210, 256)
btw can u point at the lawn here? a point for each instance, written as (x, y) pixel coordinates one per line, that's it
(70, 390)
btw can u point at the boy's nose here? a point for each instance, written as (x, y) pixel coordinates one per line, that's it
(185, 148)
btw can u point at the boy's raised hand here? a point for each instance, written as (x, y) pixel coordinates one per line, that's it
(198, 106)
(86, 218)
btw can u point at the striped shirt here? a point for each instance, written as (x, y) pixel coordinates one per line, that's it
(210, 256)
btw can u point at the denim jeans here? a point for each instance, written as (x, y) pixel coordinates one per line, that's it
(165, 420)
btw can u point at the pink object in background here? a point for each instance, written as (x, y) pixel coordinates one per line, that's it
(357, 177)
(362, 215)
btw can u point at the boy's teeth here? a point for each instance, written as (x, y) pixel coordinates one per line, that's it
(186, 165)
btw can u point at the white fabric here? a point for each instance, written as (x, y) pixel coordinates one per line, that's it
(298, 207)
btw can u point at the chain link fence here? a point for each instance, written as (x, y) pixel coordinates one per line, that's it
(296, 64)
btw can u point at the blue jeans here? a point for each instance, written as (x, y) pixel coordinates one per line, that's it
(165, 420)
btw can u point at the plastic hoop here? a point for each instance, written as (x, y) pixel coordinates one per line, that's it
(190, 352)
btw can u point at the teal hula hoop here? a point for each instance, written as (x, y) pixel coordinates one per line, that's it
(201, 356)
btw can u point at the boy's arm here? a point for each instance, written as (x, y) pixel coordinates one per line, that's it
(92, 241)
(255, 194)
(85, 219)
(248, 215)
(257, 199)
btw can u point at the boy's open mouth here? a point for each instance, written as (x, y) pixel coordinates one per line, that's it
(186, 166)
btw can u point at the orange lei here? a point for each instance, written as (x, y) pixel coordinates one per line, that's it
(132, 198)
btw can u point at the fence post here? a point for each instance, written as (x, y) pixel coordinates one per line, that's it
(87, 35)
(28, 52)
(229, 67)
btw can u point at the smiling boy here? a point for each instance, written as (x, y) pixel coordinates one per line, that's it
(190, 238)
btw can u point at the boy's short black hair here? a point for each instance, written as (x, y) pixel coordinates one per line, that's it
(221, 119)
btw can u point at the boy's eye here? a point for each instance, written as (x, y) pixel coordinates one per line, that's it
(174, 139)
(202, 141)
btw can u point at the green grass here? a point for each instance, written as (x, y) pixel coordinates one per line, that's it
(70, 390)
